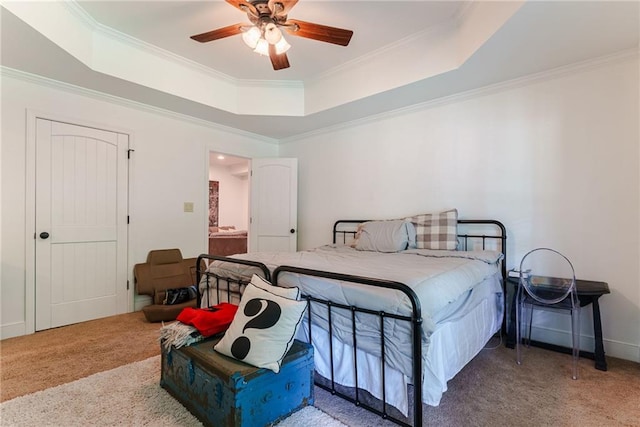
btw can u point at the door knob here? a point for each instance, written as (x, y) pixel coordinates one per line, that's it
(292, 231)
(44, 235)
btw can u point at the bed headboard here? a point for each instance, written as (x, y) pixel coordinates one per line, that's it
(473, 234)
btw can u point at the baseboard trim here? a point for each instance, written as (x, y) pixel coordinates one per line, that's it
(612, 348)
(140, 301)
(13, 330)
(621, 350)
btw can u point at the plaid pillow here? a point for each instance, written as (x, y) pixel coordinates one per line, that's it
(436, 231)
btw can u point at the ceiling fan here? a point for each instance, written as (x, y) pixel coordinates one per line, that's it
(264, 35)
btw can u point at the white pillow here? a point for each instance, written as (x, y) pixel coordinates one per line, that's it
(291, 293)
(383, 236)
(263, 328)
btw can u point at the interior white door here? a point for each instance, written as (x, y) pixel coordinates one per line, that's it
(274, 205)
(81, 224)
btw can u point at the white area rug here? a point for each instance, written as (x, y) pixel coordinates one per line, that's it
(127, 396)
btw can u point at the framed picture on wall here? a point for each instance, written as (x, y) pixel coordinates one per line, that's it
(214, 187)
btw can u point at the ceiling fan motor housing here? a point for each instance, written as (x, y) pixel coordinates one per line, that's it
(261, 6)
(265, 14)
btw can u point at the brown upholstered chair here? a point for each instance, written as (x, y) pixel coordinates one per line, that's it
(164, 269)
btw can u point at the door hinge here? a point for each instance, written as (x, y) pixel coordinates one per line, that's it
(127, 219)
(129, 152)
(127, 285)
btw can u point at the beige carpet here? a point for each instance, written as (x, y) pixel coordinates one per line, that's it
(139, 401)
(490, 391)
(61, 355)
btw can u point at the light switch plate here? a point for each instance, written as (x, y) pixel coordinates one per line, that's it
(188, 206)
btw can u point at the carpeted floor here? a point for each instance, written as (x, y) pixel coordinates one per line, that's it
(490, 391)
(139, 401)
(56, 356)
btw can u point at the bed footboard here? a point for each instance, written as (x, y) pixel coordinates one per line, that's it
(415, 320)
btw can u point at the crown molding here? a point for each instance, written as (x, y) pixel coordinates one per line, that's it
(101, 96)
(88, 21)
(451, 23)
(559, 72)
(465, 10)
(272, 84)
(82, 15)
(551, 74)
(384, 50)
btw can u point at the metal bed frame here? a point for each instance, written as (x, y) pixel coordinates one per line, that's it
(341, 228)
(201, 269)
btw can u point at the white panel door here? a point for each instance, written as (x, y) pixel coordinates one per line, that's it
(274, 205)
(81, 224)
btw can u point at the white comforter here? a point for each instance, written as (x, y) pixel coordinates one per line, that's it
(437, 277)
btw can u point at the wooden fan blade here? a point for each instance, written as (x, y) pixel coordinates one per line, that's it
(280, 61)
(284, 7)
(319, 32)
(244, 6)
(220, 33)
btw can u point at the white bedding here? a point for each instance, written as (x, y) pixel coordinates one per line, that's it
(442, 280)
(459, 336)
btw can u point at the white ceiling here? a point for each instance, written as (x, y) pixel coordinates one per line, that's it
(169, 24)
(539, 36)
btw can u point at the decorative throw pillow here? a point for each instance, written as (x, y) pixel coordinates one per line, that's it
(263, 328)
(291, 293)
(437, 230)
(383, 236)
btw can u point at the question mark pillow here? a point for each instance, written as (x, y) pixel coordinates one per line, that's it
(263, 328)
(290, 293)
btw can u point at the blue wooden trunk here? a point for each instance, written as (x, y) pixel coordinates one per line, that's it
(221, 391)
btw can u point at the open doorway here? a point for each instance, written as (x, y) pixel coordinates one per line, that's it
(228, 204)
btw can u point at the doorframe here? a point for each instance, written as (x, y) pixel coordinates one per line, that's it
(209, 148)
(30, 206)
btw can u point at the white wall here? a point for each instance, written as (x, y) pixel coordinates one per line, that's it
(169, 167)
(233, 196)
(555, 158)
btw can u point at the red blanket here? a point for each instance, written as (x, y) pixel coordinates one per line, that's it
(209, 321)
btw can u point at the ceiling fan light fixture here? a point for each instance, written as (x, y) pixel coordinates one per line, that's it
(251, 37)
(262, 47)
(282, 46)
(272, 33)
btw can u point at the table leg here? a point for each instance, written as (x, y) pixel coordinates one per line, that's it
(601, 363)
(511, 330)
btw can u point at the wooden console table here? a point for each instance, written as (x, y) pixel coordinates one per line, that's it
(588, 293)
